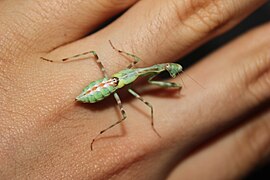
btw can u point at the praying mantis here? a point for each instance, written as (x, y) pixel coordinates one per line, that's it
(100, 89)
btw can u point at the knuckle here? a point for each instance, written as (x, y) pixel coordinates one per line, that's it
(257, 77)
(251, 74)
(202, 16)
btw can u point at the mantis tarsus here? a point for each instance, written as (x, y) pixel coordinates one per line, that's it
(100, 89)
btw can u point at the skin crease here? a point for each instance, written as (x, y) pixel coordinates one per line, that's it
(44, 134)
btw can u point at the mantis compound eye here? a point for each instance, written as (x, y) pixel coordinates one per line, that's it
(115, 81)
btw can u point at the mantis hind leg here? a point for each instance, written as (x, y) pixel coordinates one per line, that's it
(124, 116)
(136, 59)
(75, 57)
(149, 105)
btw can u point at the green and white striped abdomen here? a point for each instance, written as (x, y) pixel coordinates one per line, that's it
(98, 90)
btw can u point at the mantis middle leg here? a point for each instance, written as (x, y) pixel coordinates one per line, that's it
(149, 105)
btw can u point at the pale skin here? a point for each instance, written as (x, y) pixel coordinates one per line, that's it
(45, 134)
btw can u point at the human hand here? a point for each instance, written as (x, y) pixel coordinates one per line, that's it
(45, 134)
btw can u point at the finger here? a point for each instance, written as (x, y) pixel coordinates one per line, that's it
(231, 156)
(44, 25)
(170, 29)
(240, 77)
(162, 31)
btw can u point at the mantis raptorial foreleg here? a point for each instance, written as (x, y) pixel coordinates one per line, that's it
(164, 84)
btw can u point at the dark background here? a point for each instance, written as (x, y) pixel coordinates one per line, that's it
(258, 18)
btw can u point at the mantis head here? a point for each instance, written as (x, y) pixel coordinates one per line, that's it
(174, 69)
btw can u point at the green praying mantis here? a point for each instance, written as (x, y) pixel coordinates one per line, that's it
(102, 88)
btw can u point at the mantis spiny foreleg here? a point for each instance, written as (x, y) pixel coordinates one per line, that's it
(164, 84)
